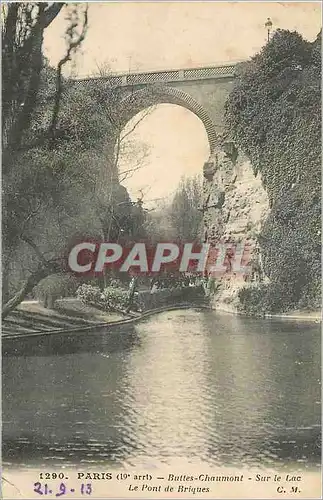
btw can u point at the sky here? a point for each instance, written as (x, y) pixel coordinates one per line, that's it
(140, 36)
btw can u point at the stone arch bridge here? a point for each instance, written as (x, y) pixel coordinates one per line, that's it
(202, 91)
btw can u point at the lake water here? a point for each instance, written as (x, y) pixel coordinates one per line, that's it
(192, 385)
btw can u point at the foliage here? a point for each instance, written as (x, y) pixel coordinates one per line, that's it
(115, 283)
(114, 298)
(179, 218)
(271, 298)
(57, 286)
(274, 113)
(157, 224)
(23, 29)
(111, 298)
(88, 294)
(184, 213)
(179, 280)
(60, 168)
(32, 165)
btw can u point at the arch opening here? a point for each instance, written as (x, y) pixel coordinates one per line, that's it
(177, 147)
(156, 94)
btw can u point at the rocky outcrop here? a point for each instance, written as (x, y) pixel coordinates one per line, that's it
(234, 206)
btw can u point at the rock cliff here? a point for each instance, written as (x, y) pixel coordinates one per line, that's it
(234, 206)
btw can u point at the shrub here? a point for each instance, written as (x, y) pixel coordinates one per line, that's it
(115, 283)
(55, 287)
(254, 300)
(114, 297)
(88, 294)
(111, 298)
(272, 298)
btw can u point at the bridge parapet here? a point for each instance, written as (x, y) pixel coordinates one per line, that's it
(167, 76)
(180, 75)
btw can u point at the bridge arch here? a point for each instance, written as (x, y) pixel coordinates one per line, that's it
(152, 95)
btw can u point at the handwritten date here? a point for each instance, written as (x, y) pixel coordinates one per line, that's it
(64, 489)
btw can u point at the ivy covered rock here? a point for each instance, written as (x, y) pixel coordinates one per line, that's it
(274, 115)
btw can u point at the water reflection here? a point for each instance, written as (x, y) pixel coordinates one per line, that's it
(184, 385)
(166, 388)
(119, 339)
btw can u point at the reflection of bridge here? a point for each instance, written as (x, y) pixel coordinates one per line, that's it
(200, 90)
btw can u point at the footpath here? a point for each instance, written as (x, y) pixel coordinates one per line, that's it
(31, 319)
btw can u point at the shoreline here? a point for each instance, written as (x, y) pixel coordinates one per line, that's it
(310, 317)
(303, 316)
(104, 325)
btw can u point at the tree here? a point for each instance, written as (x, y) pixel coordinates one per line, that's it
(184, 212)
(157, 223)
(61, 176)
(274, 113)
(116, 216)
(32, 167)
(126, 156)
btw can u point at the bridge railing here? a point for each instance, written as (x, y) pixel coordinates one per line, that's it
(177, 75)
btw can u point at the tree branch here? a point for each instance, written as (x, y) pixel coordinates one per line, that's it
(40, 273)
(51, 12)
(59, 87)
(144, 115)
(33, 245)
(127, 173)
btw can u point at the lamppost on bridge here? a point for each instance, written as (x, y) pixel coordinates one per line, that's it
(268, 26)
